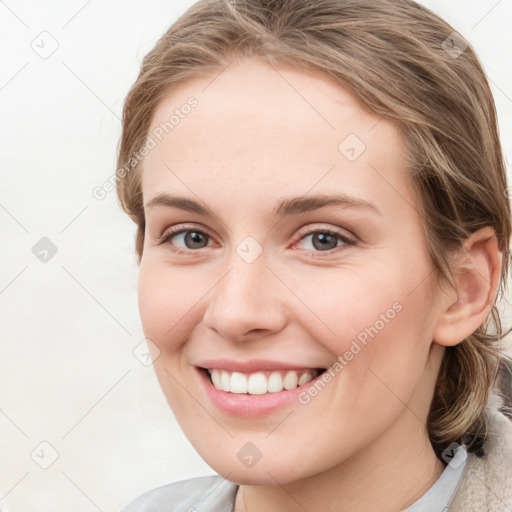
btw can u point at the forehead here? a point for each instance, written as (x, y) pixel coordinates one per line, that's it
(261, 128)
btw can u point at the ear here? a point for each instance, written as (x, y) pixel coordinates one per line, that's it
(477, 275)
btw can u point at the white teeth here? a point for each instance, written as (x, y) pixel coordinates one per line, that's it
(225, 380)
(290, 380)
(216, 379)
(257, 384)
(305, 377)
(275, 383)
(238, 383)
(260, 383)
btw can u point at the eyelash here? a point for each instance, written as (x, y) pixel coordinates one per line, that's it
(171, 232)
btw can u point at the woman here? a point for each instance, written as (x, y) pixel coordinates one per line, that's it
(323, 233)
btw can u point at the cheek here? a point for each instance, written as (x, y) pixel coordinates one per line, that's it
(377, 319)
(168, 299)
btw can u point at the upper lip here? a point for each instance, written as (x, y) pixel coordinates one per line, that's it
(254, 365)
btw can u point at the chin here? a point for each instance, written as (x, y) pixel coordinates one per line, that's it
(266, 471)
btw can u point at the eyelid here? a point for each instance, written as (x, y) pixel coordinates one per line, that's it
(318, 228)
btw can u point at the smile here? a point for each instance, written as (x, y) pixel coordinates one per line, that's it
(254, 388)
(261, 382)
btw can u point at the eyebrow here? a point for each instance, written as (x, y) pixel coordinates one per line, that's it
(288, 206)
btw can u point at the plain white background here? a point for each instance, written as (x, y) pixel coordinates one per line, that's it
(68, 375)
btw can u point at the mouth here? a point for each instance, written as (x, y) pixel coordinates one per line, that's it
(262, 382)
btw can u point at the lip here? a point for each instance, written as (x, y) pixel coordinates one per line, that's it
(252, 366)
(250, 406)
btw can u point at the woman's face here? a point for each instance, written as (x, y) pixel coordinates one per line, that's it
(298, 247)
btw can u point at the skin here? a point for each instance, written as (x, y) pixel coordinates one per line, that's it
(259, 135)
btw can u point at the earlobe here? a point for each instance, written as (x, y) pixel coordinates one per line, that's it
(477, 276)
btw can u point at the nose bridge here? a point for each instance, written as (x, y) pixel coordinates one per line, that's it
(244, 283)
(246, 271)
(244, 299)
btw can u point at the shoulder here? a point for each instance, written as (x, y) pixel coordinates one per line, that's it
(486, 483)
(207, 493)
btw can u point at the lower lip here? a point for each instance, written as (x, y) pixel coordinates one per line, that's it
(246, 405)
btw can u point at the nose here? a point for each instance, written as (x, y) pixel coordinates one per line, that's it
(247, 303)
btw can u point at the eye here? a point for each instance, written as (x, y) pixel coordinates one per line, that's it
(191, 238)
(323, 240)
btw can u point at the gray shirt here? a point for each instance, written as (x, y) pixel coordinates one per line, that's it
(215, 494)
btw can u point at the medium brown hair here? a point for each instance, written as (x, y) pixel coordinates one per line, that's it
(403, 63)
